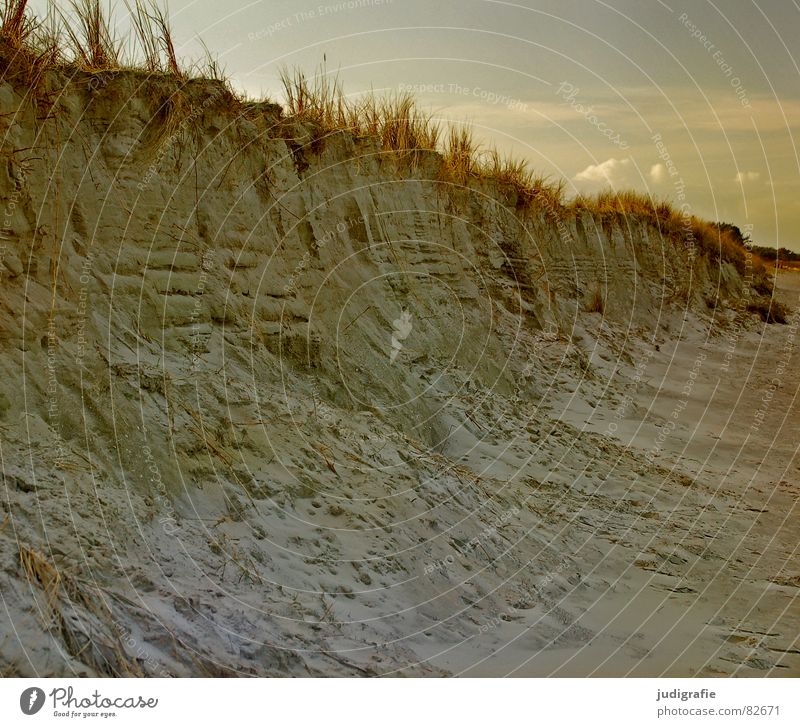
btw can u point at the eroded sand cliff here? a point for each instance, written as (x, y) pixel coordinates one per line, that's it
(280, 404)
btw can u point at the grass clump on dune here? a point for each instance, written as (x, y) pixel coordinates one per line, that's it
(80, 35)
(625, 202)
(769, 310)
(530, 186)
(402, 127)
(154, 35)
(394, 119)
(30, 46)
(715, 241)
(93, 44)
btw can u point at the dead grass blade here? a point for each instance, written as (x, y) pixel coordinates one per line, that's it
(153, 31)
(164, 30)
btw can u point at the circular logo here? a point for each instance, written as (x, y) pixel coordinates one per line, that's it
(32, 700)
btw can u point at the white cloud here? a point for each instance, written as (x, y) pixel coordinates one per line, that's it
(742, 177)
(611, 171)
(658, 173)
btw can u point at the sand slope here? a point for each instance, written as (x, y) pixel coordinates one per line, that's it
(275, 404)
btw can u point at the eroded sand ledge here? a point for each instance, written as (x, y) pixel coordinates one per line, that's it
(279, 405)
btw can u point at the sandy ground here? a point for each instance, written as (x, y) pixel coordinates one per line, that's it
(695, 579)
(603, 518)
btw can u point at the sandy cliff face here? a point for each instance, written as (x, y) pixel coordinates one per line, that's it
(274, 403)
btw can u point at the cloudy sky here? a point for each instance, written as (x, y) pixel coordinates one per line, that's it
(692, 97)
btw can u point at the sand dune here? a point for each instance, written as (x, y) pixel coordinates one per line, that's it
(280, 405)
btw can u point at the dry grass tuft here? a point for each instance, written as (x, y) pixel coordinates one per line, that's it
(529, 186)
(144, 33)
(209, 67)
(395, 120)
(93, 43)
(770, 310)
(85, 31)
(319, 100)
(596, 302)
(626, 203)
(100, 647)
(17, 27)
(717, 243)
(164, 33)
(402, 127)
(39, 571)
(153, 32)
(714, 241)
(460, 155)
(32, 46)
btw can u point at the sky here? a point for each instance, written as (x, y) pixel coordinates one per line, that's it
(697, 101)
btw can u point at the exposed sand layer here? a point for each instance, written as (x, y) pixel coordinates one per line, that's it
(272, 405)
